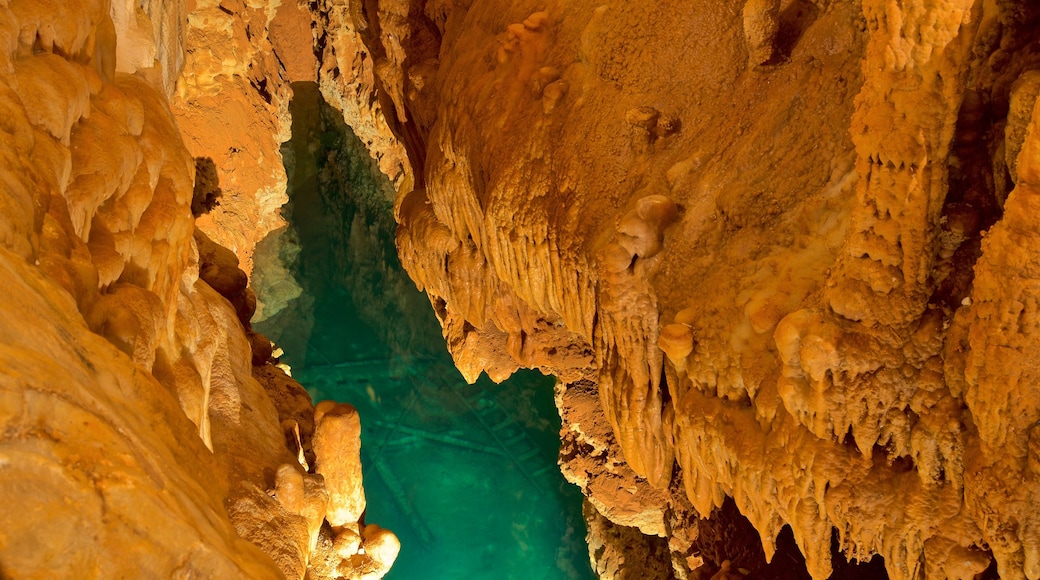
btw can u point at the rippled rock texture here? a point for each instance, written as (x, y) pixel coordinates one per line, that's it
(145, 434)
(782, 252)
(788, 245)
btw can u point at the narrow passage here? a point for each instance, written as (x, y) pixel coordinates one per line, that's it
(465, 475)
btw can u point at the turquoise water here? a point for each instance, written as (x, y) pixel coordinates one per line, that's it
(465, 475)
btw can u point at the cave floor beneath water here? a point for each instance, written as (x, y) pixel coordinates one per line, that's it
(465, 475)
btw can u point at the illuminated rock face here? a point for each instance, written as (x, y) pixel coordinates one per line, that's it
(352, 61)
(231, 104)
(778, 252)
(789, 245)
(145, 433)
(232, 101)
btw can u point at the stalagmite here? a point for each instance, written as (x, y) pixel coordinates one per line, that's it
(780, 255)
(337, 450)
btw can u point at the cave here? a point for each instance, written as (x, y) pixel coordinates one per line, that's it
(661, 290)
(464, 474)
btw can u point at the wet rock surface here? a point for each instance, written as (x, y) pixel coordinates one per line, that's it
(832, 322)
(137, 435)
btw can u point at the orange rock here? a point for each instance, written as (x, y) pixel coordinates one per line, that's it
(291, 33)
(831, 207)
(134, 374)
(337, 451)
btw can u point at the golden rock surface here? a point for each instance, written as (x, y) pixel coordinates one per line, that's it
(838, 330)
(145, 434)
(781, 252)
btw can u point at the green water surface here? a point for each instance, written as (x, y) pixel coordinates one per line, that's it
(465, 475)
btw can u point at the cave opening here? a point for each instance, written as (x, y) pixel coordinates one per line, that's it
(465, 475)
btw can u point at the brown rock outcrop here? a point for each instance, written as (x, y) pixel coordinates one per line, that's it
(624, 553)
(99, 232)
(351, 49)
(291, 33)
(138, 440)
(1000, 375)
(231, 105)
(823, 328)
(590, 459)
(150, 38)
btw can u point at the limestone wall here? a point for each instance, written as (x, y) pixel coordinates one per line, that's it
(787, 242)
(231, 104)
(777, 251)
(145, 434)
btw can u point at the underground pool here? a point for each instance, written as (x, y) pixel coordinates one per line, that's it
(465, 475)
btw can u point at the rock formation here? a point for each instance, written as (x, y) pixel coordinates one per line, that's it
(231, 104)
(780, 254)
(352, 60)
(145, 432)
(786, 244)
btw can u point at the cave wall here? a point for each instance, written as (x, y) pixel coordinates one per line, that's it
(777, 251)
(146, 433)
(350, 74)
(787, 245)
(231, 104)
